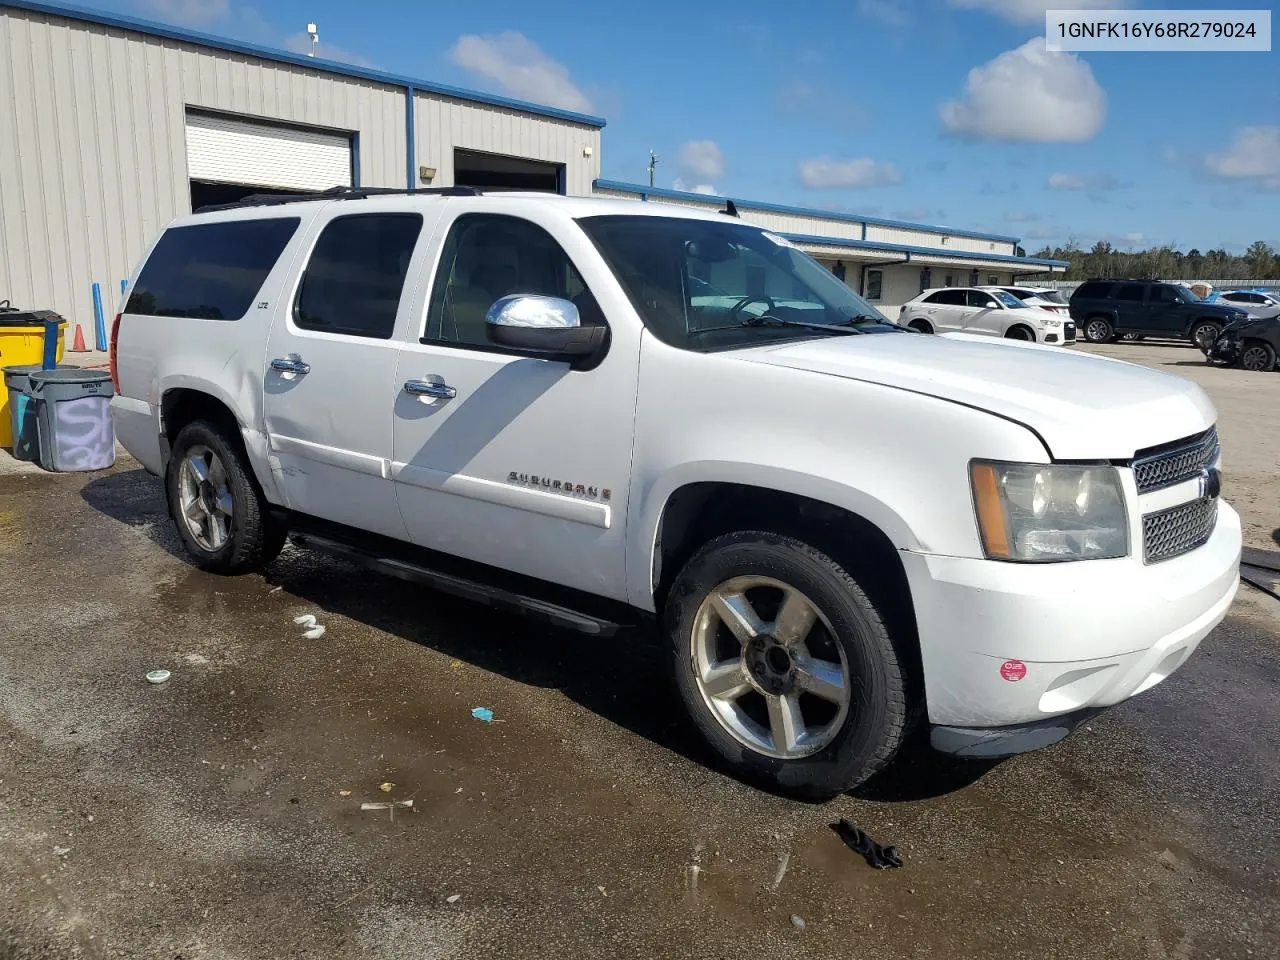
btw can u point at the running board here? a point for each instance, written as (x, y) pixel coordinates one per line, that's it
(494, 596)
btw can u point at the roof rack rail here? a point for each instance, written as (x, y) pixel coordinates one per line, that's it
(339, 193)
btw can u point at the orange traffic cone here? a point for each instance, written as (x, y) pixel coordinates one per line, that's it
(77, 345)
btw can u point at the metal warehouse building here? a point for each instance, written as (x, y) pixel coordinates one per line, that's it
(111, 127)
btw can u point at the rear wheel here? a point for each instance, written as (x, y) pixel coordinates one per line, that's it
(785, 666)
(215, 502)
(922, 325)
(1131, 337)
(1098, 330)
(1258, 355)
(1204, 334)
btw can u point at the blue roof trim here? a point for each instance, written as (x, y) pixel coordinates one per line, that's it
(930, 251)
(151, 28)
(803, 211)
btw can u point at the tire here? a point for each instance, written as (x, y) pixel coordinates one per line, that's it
(1131, 337)
(921, 325)
(243, 540)
(846, 743)
(1204, 333)
(1257, 355)
(1020, 333)
(1098, 330)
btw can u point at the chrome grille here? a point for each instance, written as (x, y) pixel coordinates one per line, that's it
(1178, 530)
(1175, 462)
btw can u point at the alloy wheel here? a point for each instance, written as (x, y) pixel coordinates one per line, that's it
(1255, 357)
(1096, 331)
(769, 668)
(204, 498)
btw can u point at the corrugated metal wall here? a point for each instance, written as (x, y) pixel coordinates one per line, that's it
(93, 151)
(442, 123)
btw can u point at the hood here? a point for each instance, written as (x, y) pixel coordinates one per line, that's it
(1209, 308)
(1084, 407)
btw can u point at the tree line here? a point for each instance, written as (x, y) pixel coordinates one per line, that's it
(1259, 262)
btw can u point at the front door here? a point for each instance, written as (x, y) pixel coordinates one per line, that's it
(329, 383)
(984, 314)
(505, 458)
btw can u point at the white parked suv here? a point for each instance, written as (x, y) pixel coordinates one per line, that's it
(611, 413)
(988, 311)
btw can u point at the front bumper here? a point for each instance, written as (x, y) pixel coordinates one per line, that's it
(1084, 635)
(1226, 349)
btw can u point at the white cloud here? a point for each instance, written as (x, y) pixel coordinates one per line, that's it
(887, 13)
(824, 173)
(1029, 93)
(191, 13)
(301, 43)
(680, 184)
(1021, 216)
(1082, 181)
(701, 159)
(1254, 155)
(1032, 11)
(520, 68)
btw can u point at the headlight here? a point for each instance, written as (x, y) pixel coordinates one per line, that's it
(1031, 512)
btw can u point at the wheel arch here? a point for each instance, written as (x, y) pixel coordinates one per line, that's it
(1020, 325)
(185, 400)
(700, 510)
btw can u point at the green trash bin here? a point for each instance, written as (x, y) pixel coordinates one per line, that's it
(73, 413)
(22, 410)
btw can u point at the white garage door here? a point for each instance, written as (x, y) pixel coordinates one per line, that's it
(222, 150)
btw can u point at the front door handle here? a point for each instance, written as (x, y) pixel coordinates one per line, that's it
(290, 365)
(427, 388)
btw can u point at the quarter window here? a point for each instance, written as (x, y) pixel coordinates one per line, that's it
(356, 275)
(212, 271)
(487, 257)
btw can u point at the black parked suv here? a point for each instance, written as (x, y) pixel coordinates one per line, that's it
(1106, 309)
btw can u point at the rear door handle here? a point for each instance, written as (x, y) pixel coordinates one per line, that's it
(427, 388)
(290, 365)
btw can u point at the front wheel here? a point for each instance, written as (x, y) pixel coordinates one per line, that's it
(1205, 334)
(1020, 333)
(785, 666)
(221, 515)
(1098, 330)
(1258, 356)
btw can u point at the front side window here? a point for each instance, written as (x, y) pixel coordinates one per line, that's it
(490, 256)
(707, 284)
(1167, 294)
(212, 271)
(356, 274)
(875, 284)
(980, 299)
(1130, 292)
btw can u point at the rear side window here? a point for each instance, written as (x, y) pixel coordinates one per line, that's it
(955, 298)
(1091, 291)
(356, 274)
(1130, 292)
(212, 271)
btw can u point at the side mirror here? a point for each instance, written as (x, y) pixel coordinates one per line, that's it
(546, 326)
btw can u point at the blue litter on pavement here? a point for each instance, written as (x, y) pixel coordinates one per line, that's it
(483, 713)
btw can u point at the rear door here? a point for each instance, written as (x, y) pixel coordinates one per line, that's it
(329, 382)
(947, 310)
(1132, 313)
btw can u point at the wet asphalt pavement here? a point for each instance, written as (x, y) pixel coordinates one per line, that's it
(206, 818)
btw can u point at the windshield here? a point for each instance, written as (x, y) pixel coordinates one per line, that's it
(1188, 295)
(706, 284)
(1008, 299)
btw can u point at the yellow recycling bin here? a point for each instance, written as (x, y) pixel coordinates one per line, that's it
(22, 343)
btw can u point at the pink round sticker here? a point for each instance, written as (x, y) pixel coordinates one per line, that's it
(1013, 670)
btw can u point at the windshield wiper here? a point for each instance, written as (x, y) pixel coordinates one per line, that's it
(765, 320)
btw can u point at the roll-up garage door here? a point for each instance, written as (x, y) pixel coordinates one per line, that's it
(226, 150)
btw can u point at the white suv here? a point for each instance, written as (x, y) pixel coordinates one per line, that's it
(612, 413)
(987, 311)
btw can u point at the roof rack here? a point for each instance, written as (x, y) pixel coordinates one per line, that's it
(339, 193)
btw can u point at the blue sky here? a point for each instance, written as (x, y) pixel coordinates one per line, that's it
(943, 111)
